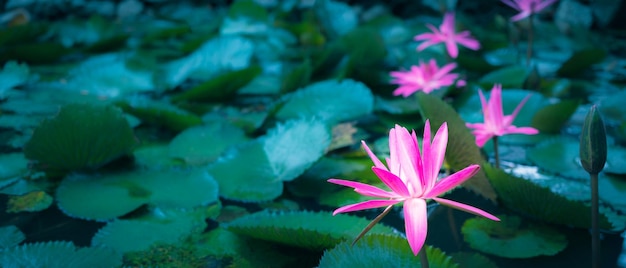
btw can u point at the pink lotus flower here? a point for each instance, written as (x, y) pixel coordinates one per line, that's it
(425, 77)
(412, 179)
(497, 124)
(527, 7)
(446, 33)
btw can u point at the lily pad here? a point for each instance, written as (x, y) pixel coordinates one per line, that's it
(379, 250)
(160, 113)
(311, 230)
(203, 144)
(13, 74)
(10, 236)
(110, 195)
(331, 100)
(510, 77)
(80, 137)
(512, 238)
(581, 60)
(12, 165)
(219, 88)
(59, 254)
(294, 146)
(551, 118)
(30, 202)
(167, 227)
(254, 183)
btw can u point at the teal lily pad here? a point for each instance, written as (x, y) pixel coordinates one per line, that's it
(254, 183)
(167, 227)
(294, 146)
(12, 165)
(13, 74)
(311, 230)
(512, 76)
(512, 238)
(219, 88)
(10, 236)
(381, 250)
(581, 60)
(203, 144)
(59, 254)
(331, 100)
(110, 195)
(551, 118)
(160, 113)
(81, 136)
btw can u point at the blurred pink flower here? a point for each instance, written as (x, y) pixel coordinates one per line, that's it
(426, 77)
(497, 124)
(412, 179)
(446, 33)
(527, 7)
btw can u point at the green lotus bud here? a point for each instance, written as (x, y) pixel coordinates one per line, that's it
(593, 142)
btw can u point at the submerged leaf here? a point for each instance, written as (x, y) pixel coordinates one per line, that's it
(30, 202)
(311, 230)
(510, 238)
(81, 136)
(381, 250)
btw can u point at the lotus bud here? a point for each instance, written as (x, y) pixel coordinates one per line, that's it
(593, 142)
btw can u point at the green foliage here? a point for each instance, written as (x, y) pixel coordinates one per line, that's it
(311, 230)
(462, 150)
(59, 254)
(203, 144)
(10, 236)
(219, 88)
(75, 139)
(512, 238)
(13, 74)
(551, 118)
(581, 60)
(160, 113)
(107, 196)
(382, 250)
(510, 77)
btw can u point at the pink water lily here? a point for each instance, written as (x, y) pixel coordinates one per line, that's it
(425, 77)
(496, 123)
(411, 176)
(447, 34)
(527, 7)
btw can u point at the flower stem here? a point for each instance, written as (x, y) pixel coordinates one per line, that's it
(423, 257)
(371, 225)
(595, 230)
(529, 47)
(495, 151)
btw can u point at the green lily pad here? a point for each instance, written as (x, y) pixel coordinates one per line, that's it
(219, 88)
(380, 250)
(167, 227)
(512, 238)
(510, 77)
(160, 113)
(13, 74)
(12, 165)
(203, 144)
(311, 230)
(294, 146)
(80, 137)
(337, 18)
(298, 77)
(472, 259)
(551, 118)
(220, 54)
(156, 157)
(581, 60)
(111, 195)
(332, 101)
(10, 236)
(254, 183)
(462, 150)
(59, 254)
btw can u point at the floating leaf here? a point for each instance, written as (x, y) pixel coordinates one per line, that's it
(297, 78)
(10, 236)
(528, 197)
(379, 250)
(254, 183)
(510, 77)
(551, 118)
(59, 254)
(13, 74)
(223, 53)
(12, 165)
(311, 230)
(581, 60)
(336, 17)
(166, 227)
(462, 150)
(219, 88)
(203, 144)
(472, 259)
(511, 238)
(30, 202)
(160, 113)
(332, 101)
(108, 196)
(81, 136)
(294, 146)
